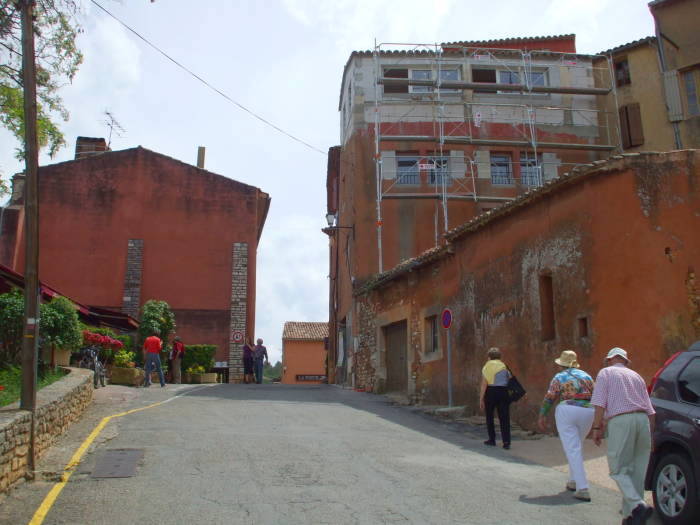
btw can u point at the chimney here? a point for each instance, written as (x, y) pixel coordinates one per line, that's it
(88, 146)
(200, 157)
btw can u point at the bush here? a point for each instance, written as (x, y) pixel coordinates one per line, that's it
(195, 369)
(11, 325)
(124, 359)
(202, 355)
(158, 318)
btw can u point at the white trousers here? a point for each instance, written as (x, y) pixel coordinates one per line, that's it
(573, 424)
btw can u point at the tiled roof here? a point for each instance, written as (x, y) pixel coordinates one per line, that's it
(515, 39)
(303, 331)
(629, 45)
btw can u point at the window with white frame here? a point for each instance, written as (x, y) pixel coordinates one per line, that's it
(407, 170)
(691, 79)
(501, 169)
(512, 76)
(417, 73)
(530, 169)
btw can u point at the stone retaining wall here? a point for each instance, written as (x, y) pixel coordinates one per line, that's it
(58, 405)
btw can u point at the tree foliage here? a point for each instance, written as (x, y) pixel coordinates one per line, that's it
(56, 28)
(59, 325)
(158, 318)
(11, 319)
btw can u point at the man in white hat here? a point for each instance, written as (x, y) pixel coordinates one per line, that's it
(622, 405)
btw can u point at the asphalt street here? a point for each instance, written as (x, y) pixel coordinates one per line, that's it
(275, 454)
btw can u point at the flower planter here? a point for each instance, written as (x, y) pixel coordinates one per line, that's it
(126, 376)
(186, 378)
(62, 357)
(209, 377)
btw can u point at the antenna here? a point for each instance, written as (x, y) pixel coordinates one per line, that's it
(114, 127)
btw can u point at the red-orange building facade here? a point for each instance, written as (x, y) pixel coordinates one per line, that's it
(304, 353)
(120, 228)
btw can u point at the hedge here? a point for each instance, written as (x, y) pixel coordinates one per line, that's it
(199, 355)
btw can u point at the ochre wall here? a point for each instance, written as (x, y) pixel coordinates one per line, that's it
(302, 358)
(620, 242)
(187, 217)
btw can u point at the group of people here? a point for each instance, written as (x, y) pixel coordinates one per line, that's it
(254, 358)
(615, 406)
(152, 347)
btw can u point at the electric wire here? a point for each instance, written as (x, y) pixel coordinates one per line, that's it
(237, 104)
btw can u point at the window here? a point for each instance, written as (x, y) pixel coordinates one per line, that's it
(583, 327)
(690, 83)
(407, 170)
(421, 74)
(431, 334)
(508, 77)
(547, 307)
(530, 169)
(451, 75)
(622, 73)
(689, 382)
(537, 78)
(631, 126)
(501, 169)
(440, 171)
(486, 76)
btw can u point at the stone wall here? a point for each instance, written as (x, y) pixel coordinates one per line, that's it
(58, 405)
(239, 311)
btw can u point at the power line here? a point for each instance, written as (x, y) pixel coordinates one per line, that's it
(240, 106)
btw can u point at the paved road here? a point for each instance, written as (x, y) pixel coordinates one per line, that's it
(273, 454)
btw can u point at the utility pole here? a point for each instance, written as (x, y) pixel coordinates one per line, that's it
(31, 225)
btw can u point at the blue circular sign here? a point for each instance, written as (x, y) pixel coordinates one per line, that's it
(446, 318)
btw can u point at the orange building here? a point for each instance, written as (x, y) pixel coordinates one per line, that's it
(304, 353)
(118, 228)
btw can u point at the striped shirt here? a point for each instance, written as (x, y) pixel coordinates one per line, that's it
(573, 386)
(619, 390)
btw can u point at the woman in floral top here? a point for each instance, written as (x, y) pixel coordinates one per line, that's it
(574, 417)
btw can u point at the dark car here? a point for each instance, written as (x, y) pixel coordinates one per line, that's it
(674, 467)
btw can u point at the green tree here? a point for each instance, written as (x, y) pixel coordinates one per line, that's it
(59, 325)
(57, 61)
(11, 320)
(158, 318)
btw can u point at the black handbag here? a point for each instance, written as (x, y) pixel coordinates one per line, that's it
(514, 388)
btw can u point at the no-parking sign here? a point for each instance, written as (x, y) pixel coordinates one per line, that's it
(237, 336)
(446, 318)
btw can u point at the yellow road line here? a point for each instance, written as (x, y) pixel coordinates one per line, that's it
(50, 498)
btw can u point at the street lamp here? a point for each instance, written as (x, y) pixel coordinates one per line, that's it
(332, 227)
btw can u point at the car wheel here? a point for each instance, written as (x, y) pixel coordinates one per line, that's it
(674, 490)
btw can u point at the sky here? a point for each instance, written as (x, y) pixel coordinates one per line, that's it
(283, 60)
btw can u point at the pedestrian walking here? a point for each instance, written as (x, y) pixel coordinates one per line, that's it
(494, 397)
(259, 355)
(624, 411)
(573, 388)
(248, 361)
(151, 354)
(176, 355)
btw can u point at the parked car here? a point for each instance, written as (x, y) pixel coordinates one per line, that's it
(674, 468)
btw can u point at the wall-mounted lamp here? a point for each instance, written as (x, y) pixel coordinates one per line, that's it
(331, 218)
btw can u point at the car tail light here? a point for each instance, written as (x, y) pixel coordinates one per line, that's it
(658, 372)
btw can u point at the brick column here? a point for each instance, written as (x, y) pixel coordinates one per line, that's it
(132, 278)
(239, 310)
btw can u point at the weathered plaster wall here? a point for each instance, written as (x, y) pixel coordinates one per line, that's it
(620, 243)
(302, 358)
(58, 405)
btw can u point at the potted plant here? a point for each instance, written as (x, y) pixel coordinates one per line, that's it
(124, 371)
(198, 374)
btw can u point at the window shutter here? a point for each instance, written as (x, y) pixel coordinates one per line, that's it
(673, 96)
(624, 128)
(634, 123)
(483, 164)
(388, 164)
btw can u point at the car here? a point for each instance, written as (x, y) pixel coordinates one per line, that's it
(673, 474)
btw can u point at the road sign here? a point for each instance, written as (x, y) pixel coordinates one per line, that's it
(446, 318)
(237, 336)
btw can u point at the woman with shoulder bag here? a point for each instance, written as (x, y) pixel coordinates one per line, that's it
(494, 397)
(573, 388)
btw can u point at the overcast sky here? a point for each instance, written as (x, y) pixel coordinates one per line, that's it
(282, 59)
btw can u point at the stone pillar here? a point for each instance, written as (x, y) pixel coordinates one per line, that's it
(132, 278)
(239, 311)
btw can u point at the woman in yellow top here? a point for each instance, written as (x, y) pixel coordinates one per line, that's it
(494, 396)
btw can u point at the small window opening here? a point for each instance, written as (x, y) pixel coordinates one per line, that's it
(547, 307)
(583, 327)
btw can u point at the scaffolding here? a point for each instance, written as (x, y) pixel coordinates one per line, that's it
(466, 97)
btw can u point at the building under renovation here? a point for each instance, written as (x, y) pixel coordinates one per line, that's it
(435, 135)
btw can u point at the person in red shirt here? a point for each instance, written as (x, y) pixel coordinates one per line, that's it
(151, 353)
(176, 356)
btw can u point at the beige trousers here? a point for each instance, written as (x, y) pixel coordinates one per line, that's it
(177, 378)
(629, 445)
